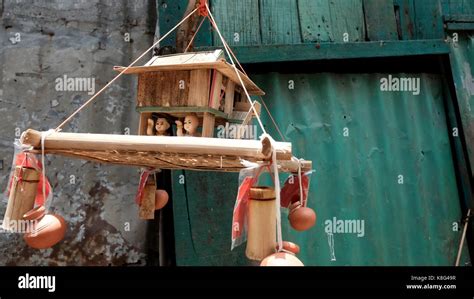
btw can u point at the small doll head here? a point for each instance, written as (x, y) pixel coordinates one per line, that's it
(162, 125)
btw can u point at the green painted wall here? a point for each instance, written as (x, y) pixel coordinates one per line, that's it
(269, 22)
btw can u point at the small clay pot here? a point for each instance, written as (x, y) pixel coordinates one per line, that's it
(302, 218)
(290, 246)
(161, 199)
(281, 259)
(46, 230)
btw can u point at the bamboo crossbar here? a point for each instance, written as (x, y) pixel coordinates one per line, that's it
(164, 144)
(166, 152)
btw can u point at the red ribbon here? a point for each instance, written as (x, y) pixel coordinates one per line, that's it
(202, 10)
(141, 186)
(28, 160)
(241, 206)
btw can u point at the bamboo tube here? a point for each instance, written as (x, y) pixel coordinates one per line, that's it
(261, 236)
(147, 205)
(22, 196)
(165, 144)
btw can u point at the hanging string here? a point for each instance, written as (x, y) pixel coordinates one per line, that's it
(303, 202)
(331, 246)
(276, 179)
(43, 137)
(123, 71)
(236, 70)
(194, 35)
(461, 244)
(260, 97)
(273, 120)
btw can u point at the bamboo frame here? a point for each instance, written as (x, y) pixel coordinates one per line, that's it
(166, 152)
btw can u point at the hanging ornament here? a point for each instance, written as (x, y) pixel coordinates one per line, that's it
(262, 223)
(22, 195)
(161, 199)
(281, 259)
(45, 230)
(290, 192)
(25, 188)
(301, 218)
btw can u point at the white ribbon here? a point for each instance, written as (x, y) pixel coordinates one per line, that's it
(43, 137)
(276, 179)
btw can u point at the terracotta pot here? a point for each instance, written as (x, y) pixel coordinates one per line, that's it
(281, 259)
(46, 230)
(161, 199)
(302, 218)
(291, 247)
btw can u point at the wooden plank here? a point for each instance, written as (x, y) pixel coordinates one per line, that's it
(146, 89)
(216, 87)
(445, 7)
(166, 83)
(323, 51)
(208, 123)
(222, 66)
(347, 17)
(468, 7)
(147, 206)
(172, 67)
(429, 21)
(165, 144)
(315, 21)
(143, 123)
(186, 58)
(238, 22)
(463, 18)
(380, 20)
(162, 89)
(455, 7)
(405, 10)
(229, 97)
(198, 88)
(279, 22)
(141, 90)
(460, 26)
(180, 94)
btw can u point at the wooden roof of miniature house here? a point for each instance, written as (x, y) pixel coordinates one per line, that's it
(193, 61)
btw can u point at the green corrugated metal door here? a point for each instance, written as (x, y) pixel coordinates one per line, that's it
(462, 60)
(393, 170)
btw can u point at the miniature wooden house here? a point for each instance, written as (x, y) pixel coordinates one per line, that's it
(202, 83)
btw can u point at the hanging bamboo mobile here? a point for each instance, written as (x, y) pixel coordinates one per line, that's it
(215, 92)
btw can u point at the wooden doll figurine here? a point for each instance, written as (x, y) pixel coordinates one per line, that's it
(191, 123)
(162, 126)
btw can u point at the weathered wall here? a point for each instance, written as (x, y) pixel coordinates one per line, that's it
(78, 39)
